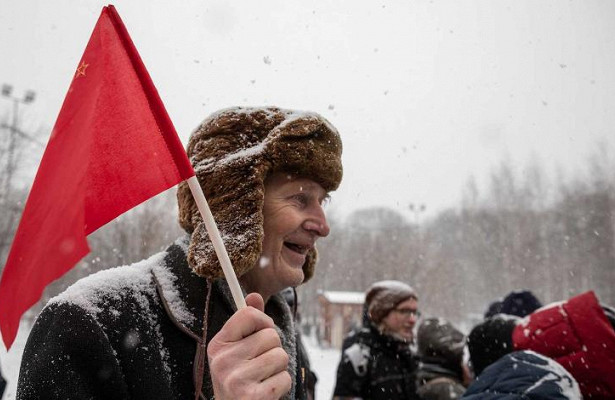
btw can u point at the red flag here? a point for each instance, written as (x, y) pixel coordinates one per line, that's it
(113, 146)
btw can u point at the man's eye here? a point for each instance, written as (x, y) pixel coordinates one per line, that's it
(300, 198)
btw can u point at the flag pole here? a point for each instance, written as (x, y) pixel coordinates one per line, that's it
(216, 239)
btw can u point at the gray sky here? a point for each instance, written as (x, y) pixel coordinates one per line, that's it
(424, 93)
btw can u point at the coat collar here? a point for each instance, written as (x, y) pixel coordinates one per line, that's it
(185, 293)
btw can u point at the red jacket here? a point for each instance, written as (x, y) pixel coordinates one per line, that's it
(577, 334)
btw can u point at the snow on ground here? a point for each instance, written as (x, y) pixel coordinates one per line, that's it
(324, 363)
(10, 361)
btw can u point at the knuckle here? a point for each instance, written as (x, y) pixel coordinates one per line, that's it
(233, 380)
(217, 361)
(212, 349)
(214, 363)
(271, 333)
(281, 355)
(253, 312)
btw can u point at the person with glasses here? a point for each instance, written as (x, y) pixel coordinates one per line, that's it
(377, 361)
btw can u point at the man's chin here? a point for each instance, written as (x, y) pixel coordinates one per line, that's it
(296, 277)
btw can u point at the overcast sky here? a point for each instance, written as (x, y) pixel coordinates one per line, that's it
(424, 93)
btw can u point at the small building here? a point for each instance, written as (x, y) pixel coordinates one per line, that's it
(339, 312)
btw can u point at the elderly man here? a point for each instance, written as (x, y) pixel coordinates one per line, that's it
(377, 362)
(166, 327)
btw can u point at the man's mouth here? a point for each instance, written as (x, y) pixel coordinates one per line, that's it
(297, 248)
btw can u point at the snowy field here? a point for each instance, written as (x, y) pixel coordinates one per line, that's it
(324, 363)
(10, 362)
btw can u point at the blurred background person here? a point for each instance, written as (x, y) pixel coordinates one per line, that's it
(377, 362)
(524, 375)
(520, 303)
(441, 372)
(577, 333)
(493, 308)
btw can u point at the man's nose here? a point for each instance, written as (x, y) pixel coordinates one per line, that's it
(317, 222)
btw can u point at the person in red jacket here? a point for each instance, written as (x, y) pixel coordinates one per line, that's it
(576, 333)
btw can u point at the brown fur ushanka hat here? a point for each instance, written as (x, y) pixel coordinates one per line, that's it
(233, 152)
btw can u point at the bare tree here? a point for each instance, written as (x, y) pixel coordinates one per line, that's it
(18, 159)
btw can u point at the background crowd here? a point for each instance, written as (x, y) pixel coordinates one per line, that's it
(521, 350)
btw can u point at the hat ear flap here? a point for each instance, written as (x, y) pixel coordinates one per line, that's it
(187, 210)
(237, 204)
(310, 264)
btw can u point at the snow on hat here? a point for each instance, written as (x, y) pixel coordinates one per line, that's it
(384, 296)
(233, 152)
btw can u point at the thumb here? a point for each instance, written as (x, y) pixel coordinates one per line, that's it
(255, 300)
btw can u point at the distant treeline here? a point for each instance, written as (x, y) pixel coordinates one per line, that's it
(554, 238)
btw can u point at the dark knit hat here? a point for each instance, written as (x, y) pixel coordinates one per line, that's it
(520, 303)
(384, 296)
(490, 340)
(438, 339)
(233, 152)
(493, 308)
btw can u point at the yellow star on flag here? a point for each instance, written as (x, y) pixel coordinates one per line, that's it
(81, 69)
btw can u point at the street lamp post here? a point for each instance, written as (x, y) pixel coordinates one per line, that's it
(417, 209)
(28, 98)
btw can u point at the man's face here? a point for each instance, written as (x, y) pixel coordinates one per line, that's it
(401, 320)
(293, 220)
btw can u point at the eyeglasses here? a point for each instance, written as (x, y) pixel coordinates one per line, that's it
(407, 312)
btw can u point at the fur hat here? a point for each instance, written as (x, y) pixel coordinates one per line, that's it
(233, 152)
(384, 296)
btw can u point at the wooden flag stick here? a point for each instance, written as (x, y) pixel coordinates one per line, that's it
(216, 239)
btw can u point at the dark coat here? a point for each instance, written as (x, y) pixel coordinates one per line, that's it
(109, 336)
(2, 385)
(524, 375)
(440, 348)
(436, 383)
(376, 367)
